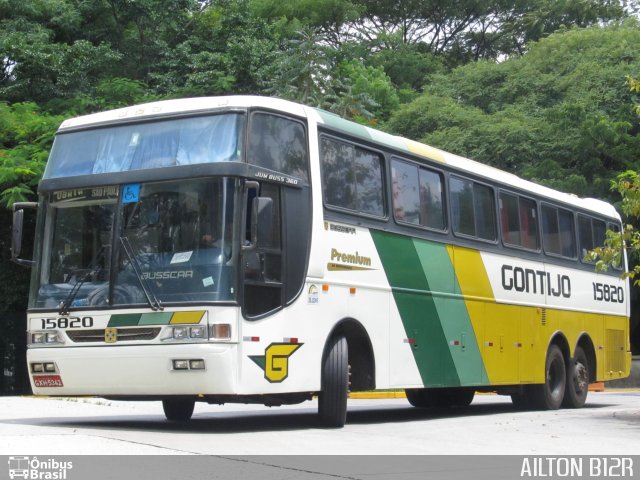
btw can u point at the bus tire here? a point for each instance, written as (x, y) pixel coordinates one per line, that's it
(420, 397)
(332, 400)
(459, 397)
(577, 388)
(549, 395)
(178, 409)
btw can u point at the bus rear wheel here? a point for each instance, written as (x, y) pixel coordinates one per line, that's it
(332, 400)
(577, 388)
(178, 410)
(420, 397)
(550, 394)
(460, 397)
(440, 397)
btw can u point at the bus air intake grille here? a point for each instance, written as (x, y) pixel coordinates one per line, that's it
(123, 334)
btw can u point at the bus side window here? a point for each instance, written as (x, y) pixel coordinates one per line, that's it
(352, 177)
(591, 234)
(473, 209)
(519, 221)
(558, 232)
(418, 195)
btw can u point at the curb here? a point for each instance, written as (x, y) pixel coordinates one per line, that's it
(594, 387)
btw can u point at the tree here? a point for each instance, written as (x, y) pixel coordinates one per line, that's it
(627, 184)
(558, 115)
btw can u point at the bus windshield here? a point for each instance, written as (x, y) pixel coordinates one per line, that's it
(164, 143)
(172, 241)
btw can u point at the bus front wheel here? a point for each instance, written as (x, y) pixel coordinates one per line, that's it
(178, 410)
(549, 395)
(332, 400)
(577, 388)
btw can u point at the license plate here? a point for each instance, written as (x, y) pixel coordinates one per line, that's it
(47, 381)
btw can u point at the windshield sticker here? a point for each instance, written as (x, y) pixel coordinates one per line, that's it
(131, 193)
(82, 194)
(181, 257)
(207, 282)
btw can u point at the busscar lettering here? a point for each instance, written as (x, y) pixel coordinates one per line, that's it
(167, 275)
(528, 280)
(342, 229)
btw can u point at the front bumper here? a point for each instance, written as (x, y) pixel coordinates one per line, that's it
(137, 370)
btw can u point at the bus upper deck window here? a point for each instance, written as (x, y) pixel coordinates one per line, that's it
(279, 144)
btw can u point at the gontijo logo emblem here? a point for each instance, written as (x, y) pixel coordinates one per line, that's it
(275, 361)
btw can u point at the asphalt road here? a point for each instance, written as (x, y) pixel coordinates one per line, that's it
(608, 425)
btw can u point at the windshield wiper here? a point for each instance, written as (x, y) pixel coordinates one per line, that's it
(94, 269)
(153, 301)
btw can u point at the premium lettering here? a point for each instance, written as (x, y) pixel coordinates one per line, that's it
(352, 258)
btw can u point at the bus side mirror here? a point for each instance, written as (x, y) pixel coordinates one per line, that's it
(262, 222)
(16, 232)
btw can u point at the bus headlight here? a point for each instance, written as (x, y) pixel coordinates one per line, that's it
(180, 333)
(219, 331)
(38, 337)
(188, 332)
(198, 332)
(50, 337)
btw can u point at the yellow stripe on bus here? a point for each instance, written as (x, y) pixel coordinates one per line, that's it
(514, 339)
(187, 317)
(425, 150)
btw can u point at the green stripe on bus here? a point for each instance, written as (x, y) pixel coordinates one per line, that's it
(334, 121)
(418, 310)
(155, 318)
(124, 320)
(452, 312)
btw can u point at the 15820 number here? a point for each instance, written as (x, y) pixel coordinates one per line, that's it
(66, 322)
(607, 293)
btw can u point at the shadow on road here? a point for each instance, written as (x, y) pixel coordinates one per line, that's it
(274, 420)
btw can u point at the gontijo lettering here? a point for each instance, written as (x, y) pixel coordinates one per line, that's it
(535, 281)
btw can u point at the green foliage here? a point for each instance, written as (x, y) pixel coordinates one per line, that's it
(559, 115)
(25, 139)
(627, 184)
(373, 83)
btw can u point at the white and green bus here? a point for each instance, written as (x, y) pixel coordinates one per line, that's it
(249, 249)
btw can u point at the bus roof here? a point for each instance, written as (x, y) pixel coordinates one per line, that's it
(207, 104)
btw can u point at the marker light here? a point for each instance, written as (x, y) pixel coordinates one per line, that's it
(220, 331)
